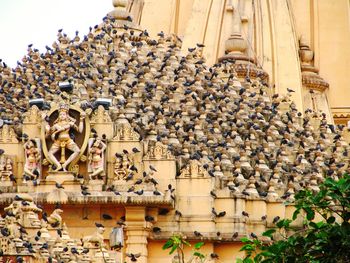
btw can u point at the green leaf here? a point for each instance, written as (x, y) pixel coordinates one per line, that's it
(320, 224)
(267, 254)
(284, 223)
(198, 245)
(313, 224)
(176, 239)
(245, 240)
(247, 247)
(197, 254)
(346, 216)
(173, 249)
(310, 214)
(186, 243)
(168, 244)
(248, 260)
(295, 214)
(269, 232)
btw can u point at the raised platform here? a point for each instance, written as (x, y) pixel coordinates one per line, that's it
(60, 177)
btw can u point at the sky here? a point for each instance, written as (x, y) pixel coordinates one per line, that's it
(24, 22)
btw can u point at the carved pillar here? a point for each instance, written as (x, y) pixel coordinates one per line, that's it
(314, 87)
(137, 232)
(236, 48)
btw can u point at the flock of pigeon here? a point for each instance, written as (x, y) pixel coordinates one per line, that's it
(236, 130)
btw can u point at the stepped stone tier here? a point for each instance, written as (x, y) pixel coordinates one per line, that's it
(127, 133)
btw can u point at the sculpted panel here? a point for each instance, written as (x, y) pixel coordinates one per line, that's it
(65, 136)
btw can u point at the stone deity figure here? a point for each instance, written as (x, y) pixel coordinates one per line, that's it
(122, 167)
(6, 168)
(59, 134)
(32, 159)
(96, 157)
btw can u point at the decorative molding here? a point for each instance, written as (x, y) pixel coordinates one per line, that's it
(310, 77)
(126, 133)
(100, 116)
(7, 135)
(158, 151)
(314, 81)
(33, 115)
(194, 169)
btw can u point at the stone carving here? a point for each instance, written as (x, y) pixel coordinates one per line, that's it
(6, 168)
(22, 233)
(122, 166)
(32, 165)
(158, 151)
(33, 115)
(100, 115)
(25, 211)
(194, 169)
(7, 135)
(96, 239)
(95, 243)
(124, 131)
(59, 134)
(96, 158)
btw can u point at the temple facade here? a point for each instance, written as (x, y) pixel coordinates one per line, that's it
(202, 120)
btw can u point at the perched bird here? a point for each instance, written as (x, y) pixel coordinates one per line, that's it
(139, 192)
(107, 217)
(163, 211)
(197, 234)
(221, 214)
(212, 193)
(133, 257)
(59, 186)
(214, 256)
(244, 213)
(135, 150)
(253, 235)
(235, 235)
(178, 213)
(99, 225)
(85, 193)
(156, 230)
(275, 219)
(152, 168)
(149, 218)
(156, 192)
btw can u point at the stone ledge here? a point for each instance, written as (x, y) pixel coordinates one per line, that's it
(97, 198)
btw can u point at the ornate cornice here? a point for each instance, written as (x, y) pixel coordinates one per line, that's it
(314, 81)
(97, 198)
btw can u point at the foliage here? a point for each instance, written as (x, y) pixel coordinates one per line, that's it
(178, 242)
(325, 241)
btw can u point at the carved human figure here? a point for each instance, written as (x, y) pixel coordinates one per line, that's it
(32, 159)
(6, 168)
(96, 157)
(122, 167)
(59, 134)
